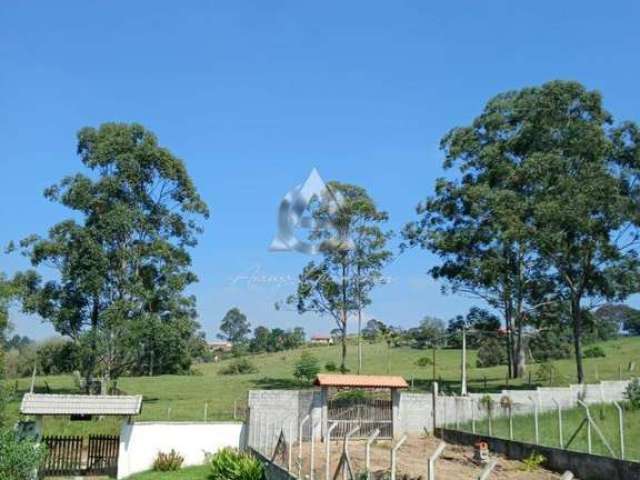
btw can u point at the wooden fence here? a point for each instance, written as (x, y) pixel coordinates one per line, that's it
(67, 456)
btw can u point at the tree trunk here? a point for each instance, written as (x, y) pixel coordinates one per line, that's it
(343, 363)
(521, 357)
(93, 356)
(509, 340)
(359, 321)
(576, 316)
(345, 312)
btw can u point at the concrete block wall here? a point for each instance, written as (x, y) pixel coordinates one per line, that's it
(271, 411)
(415, 409)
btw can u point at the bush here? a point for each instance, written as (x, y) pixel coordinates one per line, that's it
(424, 362)
(633, 393)
(550, 345)
(548, 373)
(238, 367)
(18, 458)
(306, 367)
(594, 352)
(230, 464)
(491, 354)
(331, 366)
(168, 462)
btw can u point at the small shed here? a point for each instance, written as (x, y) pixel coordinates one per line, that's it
(77, 455)
(364, 414)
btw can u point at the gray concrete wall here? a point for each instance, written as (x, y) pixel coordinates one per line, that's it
(271, 411)
(415, 409)
(583, 465)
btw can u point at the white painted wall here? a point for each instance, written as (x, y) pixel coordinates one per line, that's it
(140, 442)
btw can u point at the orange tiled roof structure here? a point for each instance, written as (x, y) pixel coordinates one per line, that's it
(360, 381)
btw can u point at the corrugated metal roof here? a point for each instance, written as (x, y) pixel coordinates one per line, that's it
(45, 404)
(360, 381)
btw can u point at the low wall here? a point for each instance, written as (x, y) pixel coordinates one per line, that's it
(415, 410)
(583, 465)
(140, 442)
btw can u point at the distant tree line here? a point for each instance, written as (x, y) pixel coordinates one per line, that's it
(236, 329)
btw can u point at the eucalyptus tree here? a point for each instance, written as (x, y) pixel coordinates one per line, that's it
(544, 209)
(477, 222)
(122, 258)
(581, 173)
(354, 253)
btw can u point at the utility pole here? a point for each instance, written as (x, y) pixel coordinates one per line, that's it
(433, 375)
(463, 386)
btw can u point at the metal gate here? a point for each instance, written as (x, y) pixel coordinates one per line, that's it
(368, 414)
(72, 456)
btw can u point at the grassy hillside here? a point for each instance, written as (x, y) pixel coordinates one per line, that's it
(184, 397)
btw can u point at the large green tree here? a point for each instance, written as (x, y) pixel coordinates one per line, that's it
(354, 252)
(544, 209)
(122, 259)
(584, 210)
(477, 223)
(235, 327)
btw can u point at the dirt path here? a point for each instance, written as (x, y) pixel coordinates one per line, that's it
(456, 463)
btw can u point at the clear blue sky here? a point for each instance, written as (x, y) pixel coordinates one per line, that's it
(252, 95)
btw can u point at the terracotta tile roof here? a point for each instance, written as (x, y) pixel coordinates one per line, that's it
(360, 381)
(46, 404)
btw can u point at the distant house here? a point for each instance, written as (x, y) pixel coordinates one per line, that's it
(321, 340)
(220, 346)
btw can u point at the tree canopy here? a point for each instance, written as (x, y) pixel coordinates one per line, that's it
(339, 285)
(544, 207)
(122, 258)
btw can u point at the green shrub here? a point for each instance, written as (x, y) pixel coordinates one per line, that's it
(352, 395)
(548, 373)
(491, 354)
(331, 366)
(230, 464)
(306, 367)
(633, 393)
(594, 352)
(238, 367)
(533, 462)
(18, 458)
(424, 362)
(168, 462)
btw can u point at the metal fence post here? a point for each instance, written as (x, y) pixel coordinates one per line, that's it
(367, 451)
(434, 398)
(290, 449)
(328, 450)
(473, 416)
(535, 420)
(312, 454)
(560, 435)
(510, 420)
(431, 466)
(484, 475)
(620, 428)
(588, 425)
(300, 427)
(394, 451)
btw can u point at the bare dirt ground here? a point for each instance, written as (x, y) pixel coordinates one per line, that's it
(456, 462)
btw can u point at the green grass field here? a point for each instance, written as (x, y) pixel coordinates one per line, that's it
(183, 397)
(605, 416)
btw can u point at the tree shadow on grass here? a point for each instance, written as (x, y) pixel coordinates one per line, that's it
(270, 383)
